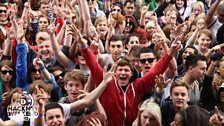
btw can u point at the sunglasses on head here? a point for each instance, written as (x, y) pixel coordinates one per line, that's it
(1, 11)
(150, 60)
(4, 72)
(57, 77)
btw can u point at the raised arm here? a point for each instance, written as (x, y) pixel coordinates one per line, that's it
(149, 79)
(21, 49)
(191, 41)
(143, 12)
(96, 70)
(92, 96)
(7, 51)
(210, 16)
(60, 56)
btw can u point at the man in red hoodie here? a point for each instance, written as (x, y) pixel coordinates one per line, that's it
(123, 95)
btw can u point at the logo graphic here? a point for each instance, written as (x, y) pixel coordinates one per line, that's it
(23, 106)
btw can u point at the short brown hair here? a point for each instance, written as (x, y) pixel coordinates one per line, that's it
(206, 32)
(75, 74)
(135, 51)
(178, 83)
(125, 62)
(41, 84)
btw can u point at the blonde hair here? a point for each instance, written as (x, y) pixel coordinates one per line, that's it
(100, 19)
(200, 4)
(152, 107)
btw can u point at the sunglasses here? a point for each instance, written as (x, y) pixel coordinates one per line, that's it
(60, 75)
(221, 15)
(90, 0)
(150, 60)
(1, 11)
(4, 72)
(78, 53)
(73, 17)
(118, 10)
(35, 70)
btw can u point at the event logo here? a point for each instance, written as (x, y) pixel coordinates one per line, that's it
(23, 106)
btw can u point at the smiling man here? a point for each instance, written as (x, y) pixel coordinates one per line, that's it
(124, 92)
(74, 81)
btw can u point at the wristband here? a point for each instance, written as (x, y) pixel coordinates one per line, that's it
(40, 115)
(42, 67)
(82, 46)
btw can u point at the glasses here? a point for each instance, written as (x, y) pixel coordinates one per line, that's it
(35, 70)
(221, 15)
(60, 75)
(78, 53)
(73, 17)
(4, 72)
(1, 11)
(150, 60)
(118, 10)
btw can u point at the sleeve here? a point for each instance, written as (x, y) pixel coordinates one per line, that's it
(160, 9)
(148, 80)
(60, 21)
(96, 70)
(207, 98)
(56, 93)
(21, 67)
(19, 119)
(33, 31)
(65, 50)
(67, 110)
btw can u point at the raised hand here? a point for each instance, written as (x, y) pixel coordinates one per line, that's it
(94, 122)
(41, 96)
(158, 38)
(161, 83)
(175, 46)
(217, 48)
(11, 11)
(217, 118)
(51, 28)
(76, 31)
(82, 94)
(20, 33)
(111, 21)
(38, 62)
(110, 75)
(144, 9)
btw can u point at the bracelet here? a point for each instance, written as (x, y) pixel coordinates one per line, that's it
(40, 115)
(42, 67)
(82, 46)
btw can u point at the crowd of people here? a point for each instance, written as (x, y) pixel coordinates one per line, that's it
(111, 62)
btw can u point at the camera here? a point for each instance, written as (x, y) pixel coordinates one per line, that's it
(217, 56)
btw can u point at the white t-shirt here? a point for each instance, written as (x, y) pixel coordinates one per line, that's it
(19, 118)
